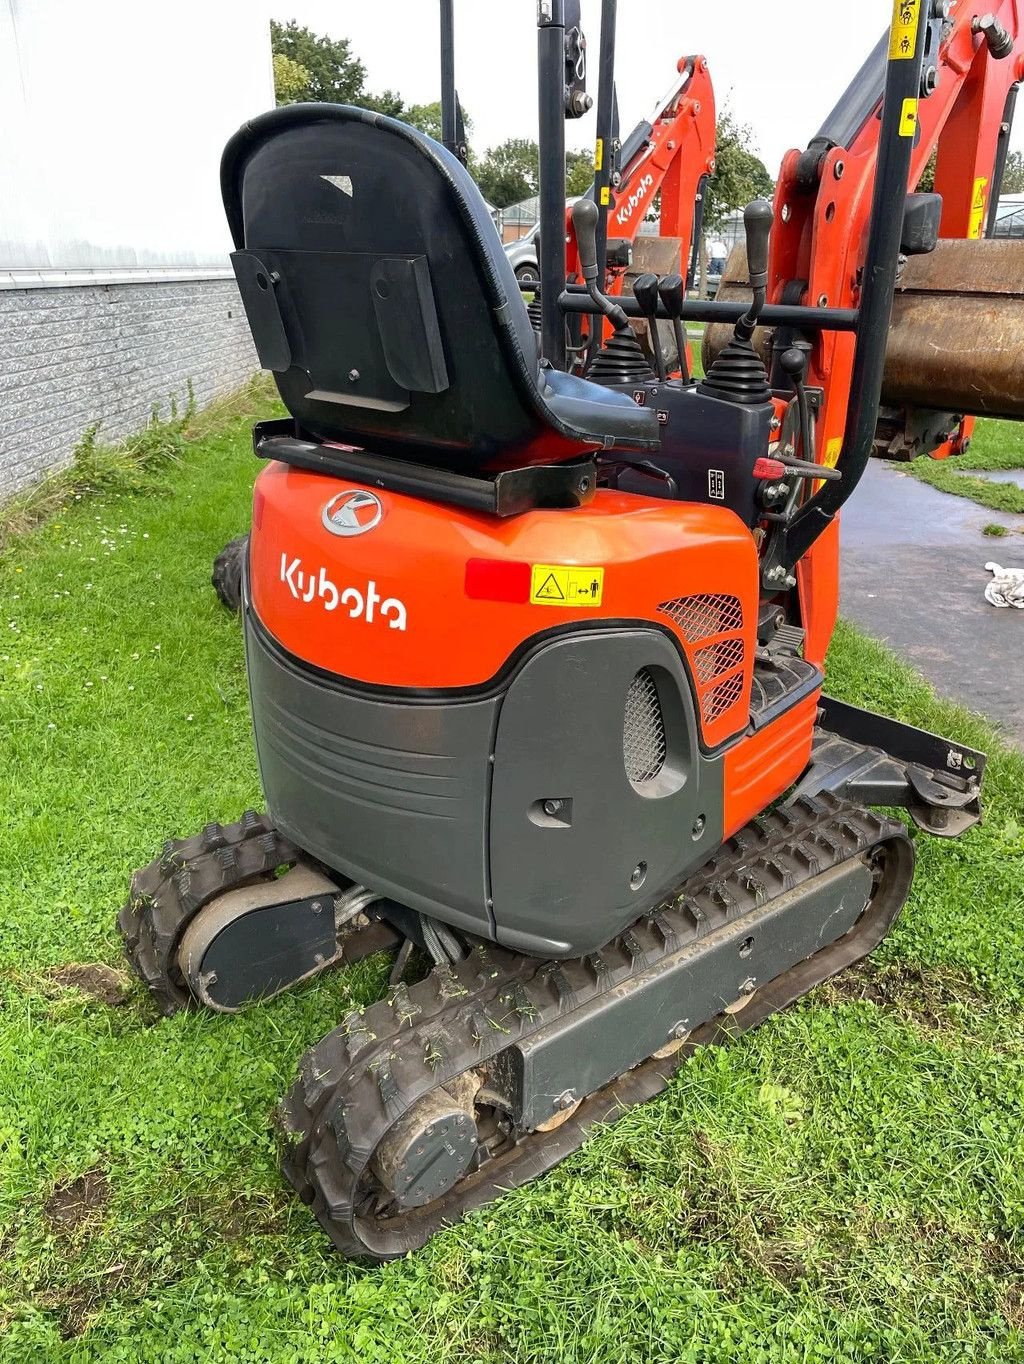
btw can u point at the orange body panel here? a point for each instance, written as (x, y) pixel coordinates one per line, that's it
(390, 607)
(759, 769)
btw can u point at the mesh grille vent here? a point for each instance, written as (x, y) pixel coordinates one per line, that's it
(718, 700)
(702, 616)
(643, 730)
(717, 659)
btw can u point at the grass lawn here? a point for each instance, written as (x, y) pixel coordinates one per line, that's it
(995, 445)
(846, 1183)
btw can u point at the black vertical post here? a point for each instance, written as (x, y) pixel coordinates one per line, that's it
(603, 143)
(896, 143)
(551, 83)
(999, 169)
(448, 106)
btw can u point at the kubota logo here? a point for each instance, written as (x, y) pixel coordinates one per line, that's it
(626, 211)
(353, 512)
(313, 585)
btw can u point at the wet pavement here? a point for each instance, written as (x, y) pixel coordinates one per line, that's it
(999, 475)
(913, 575)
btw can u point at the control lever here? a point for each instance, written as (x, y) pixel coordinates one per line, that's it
(793, 362)
(757, 224)
(645, 291)
(585, 214)
(672, 291)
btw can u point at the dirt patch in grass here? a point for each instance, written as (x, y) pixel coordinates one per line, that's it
(1011, 1304)
(99, 982)
(923, 997)
(75, 1201)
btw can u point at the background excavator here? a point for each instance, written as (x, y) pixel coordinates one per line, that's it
(949, 289)
(536, 657)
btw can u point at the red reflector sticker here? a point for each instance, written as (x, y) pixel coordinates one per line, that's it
(768, 468)
(497, 580)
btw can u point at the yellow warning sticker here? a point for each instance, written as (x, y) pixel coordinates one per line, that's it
(906, 16)
(606, 195)
(598, 153)
(559, 585)
(908, 118)
(977, 207)
(833, 450)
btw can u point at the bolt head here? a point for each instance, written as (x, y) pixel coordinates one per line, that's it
(552, 807)
(566, 1100)
(353, 375)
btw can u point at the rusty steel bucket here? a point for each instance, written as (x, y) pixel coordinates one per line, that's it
(956, 341)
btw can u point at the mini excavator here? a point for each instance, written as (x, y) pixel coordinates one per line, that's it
(536, 657)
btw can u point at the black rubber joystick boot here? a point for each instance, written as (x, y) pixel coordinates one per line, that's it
(621, 359)
(738, 374)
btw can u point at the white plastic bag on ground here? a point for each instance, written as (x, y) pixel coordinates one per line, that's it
(1006, 587)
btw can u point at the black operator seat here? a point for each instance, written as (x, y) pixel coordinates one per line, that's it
(379, 294)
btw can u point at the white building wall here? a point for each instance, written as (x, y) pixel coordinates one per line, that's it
(115, 288)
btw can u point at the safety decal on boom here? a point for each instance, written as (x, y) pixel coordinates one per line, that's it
(906, 16)
(559, 585)
(978, 207)
(908, 118)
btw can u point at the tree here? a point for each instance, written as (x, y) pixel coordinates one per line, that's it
(579, 173)
(1013, 176)
(427, 117)
(291, 79)
(334, 75)
(740, 175)
(509, 172)
(316, 67)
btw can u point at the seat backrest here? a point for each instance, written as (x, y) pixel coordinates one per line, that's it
(379, 294)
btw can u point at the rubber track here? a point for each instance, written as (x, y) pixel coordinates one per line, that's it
(227, 572)
(189, 873)
(362, 1077)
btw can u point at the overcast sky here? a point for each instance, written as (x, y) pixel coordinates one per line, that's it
(779, 66)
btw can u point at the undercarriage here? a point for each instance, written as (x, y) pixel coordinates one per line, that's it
(493, 1067)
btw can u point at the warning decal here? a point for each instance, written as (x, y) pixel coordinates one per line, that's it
(906, 16)
(908, 118)
(559, 585)
(977, 207)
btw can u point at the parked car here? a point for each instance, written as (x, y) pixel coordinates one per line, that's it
(523, 257)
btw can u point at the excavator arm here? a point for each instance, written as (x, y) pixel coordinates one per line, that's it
(670, 154)
(973, 65)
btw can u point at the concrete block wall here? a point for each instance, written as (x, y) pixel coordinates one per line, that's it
(72, 356)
